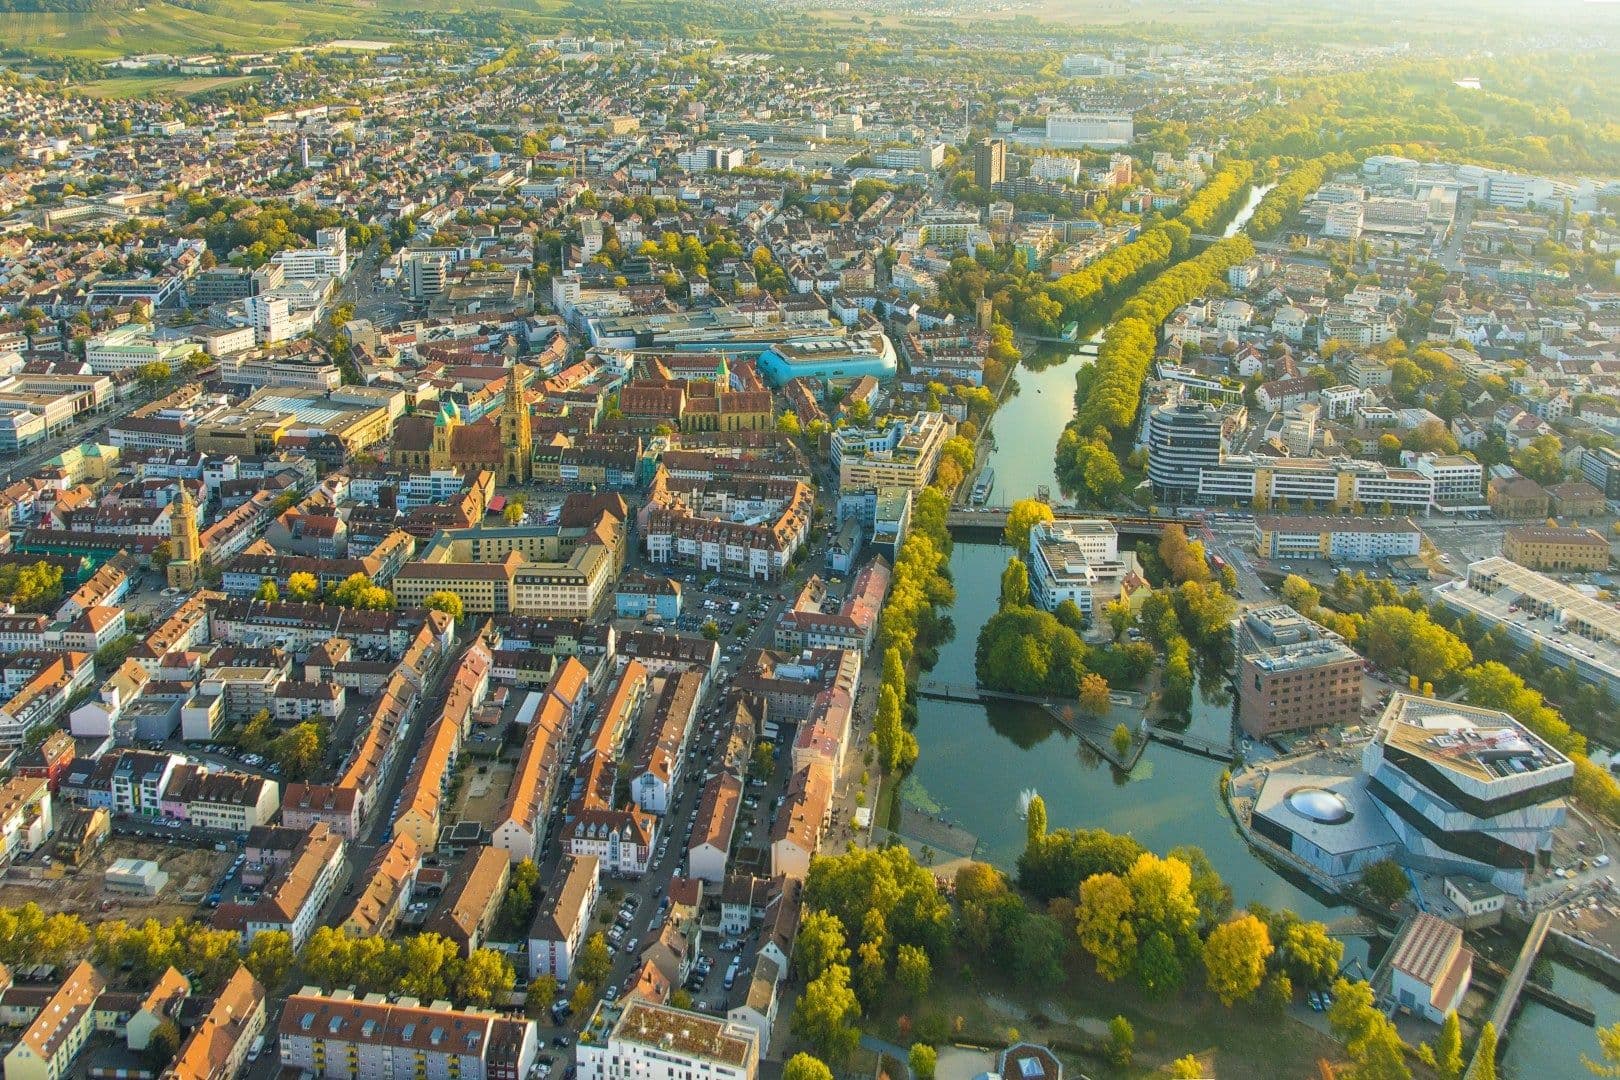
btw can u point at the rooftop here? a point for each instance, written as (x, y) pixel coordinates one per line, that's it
(1485, 745)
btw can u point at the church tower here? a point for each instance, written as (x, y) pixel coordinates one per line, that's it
(185, 562)
(445, 423)
(517, 436)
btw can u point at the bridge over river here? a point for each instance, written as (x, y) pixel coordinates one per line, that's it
(1097, 731)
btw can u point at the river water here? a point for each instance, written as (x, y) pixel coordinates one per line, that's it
(976, 759)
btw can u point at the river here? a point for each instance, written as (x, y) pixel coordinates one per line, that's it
(976, 759)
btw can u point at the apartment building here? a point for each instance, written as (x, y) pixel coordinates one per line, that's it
(521, 824)
(296, 892)
(385, 890)
(657, 1042)
(220, 799)
(1295, 674)
(472, 899)
(337, 1035)
(564, 920)
(217, 1046)
(904, 454)
(802, 820)
(662, 753)
(853, 626)
(26, 816)
(621, 839)
(56, 1035)
(1563, 550)
(716, 823)
(1350, 539)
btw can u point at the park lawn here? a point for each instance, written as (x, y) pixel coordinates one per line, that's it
(133, 86)
(1236, 1042)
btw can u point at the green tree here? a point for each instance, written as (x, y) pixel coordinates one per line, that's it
(897, 747)
(1186, 1068)
(819, 945)
(1021, 517)
(1235, 955)
(923, 1060)
(1105, 925)
(1310, 953)
(164, 1043)
(1035, 822)
(299, 749)
(446, 601)
(1484, 1067)
(710, 629)
(1608, 1047)
(1015, 584)
(1542, 461)
(1385, 882)
(912, 971)
(518, 903)
(486, 978)
(1444, 1055)
(152, 376)
(1095, 700)
(1370, 1039)
(802, 1066)
(302, 586)
(1121, 1041)
(360, 592)
(270, 958)
(542, 994)
(268, 591)
(825, 1015)
(594, 960)
(1121, 739)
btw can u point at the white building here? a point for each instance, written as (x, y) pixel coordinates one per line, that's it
(1079, 561)
(1571, 629)
(1348, 539)
(641, 1040)
(271, 318)
(1089, 129)
(1429, 967)
(328, 258)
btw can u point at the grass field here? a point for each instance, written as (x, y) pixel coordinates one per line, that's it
(171, 86)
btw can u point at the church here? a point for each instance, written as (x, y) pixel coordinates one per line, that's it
(502, 443)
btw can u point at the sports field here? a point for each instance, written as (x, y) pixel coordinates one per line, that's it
(151, 86)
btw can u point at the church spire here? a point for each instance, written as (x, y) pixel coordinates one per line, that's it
(517, 435)
(185, 544)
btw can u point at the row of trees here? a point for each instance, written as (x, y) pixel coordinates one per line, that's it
(29, 936)
(1283, 201)
(910, 623)
(425, 966)
(1112, 387)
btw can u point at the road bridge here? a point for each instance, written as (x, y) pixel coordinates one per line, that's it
(995, 517)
